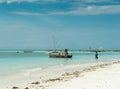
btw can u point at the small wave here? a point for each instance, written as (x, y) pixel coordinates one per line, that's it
(33, 70)
(28, 71)
(55, 66)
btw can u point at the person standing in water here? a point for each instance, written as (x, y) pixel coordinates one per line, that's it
(66, 52)
(96, 55)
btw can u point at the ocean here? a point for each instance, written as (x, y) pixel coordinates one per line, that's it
(12, 62)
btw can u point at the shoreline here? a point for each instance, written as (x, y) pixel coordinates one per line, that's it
(66, 73)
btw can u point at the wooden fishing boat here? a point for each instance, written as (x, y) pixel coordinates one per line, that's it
(60, 54)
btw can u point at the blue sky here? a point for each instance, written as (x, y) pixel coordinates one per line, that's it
(76, 24)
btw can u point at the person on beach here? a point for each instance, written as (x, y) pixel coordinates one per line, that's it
(96, 55)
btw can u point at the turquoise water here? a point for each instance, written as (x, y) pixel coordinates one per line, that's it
(12, 62)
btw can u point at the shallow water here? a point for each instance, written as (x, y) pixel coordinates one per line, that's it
(13, 62)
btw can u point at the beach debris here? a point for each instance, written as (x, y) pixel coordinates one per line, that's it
(76, 74)
(116, 62)
(66, 74)
(42, 87)
(36, 82)
(15, 87)
(26, 88)
(53, 80)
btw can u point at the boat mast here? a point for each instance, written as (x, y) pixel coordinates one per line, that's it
(54, 43)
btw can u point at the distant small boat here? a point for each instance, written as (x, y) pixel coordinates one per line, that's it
(60, 54)
(27, 51)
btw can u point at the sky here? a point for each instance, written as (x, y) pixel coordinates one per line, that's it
(73, 24)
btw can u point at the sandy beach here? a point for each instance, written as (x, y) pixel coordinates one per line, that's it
(105, 77)
(97, 76)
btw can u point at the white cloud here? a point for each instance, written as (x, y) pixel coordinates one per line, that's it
(61, 1)
(11, 1)
(98, 0)
(76, 9)
(91, 10)
(50, 0)
(26, 13)
(88, 10)
(58, 0)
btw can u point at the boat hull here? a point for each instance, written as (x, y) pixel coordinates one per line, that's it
(60, 56)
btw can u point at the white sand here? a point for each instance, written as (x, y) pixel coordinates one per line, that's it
(101, 76)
